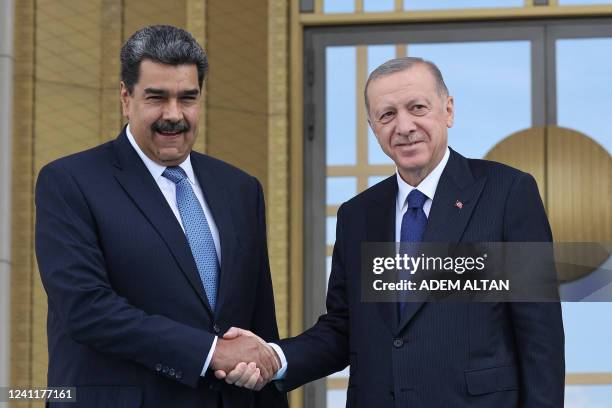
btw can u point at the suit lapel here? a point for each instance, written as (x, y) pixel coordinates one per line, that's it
(456, 196)
(381, 228)
(219, 203)
(136, 180)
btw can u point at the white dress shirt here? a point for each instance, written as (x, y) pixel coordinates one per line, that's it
(168, 189)
(428, 187)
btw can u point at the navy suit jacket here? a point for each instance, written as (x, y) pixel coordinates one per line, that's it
(440, 354)
(129, 323)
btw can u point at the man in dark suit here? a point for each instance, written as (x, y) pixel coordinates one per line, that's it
(149, 251)
(430, 354)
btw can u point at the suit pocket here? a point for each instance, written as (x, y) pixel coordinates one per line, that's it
(488, 380)
(104, 397)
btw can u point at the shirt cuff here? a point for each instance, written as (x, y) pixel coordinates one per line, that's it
(209, 357)
(280, 374)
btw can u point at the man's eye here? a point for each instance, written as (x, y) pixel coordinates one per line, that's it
(386, 116)
(154, 98)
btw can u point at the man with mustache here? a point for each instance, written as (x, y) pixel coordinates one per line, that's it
(503, 355)
(150, 251)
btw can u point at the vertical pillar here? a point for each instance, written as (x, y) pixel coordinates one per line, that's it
(6, 111)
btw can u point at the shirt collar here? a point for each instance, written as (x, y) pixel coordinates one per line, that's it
(427, 186)
(156, 169)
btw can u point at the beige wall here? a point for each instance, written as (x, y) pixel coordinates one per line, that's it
(66, 80)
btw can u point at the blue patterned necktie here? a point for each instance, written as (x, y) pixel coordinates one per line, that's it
(197, 231)
(414, 222)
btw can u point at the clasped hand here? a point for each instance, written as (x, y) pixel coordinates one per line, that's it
(244, 359)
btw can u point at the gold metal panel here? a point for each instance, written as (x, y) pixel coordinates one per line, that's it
(361, 116)
(22, 228)
(237, 116)
(524, 150)
(319, 18)
(278, 158)
(579, 174)
(142, 13)
(296, 182)
(111, 42)
(196, 25)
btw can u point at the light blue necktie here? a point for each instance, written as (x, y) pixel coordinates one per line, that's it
(197, 231)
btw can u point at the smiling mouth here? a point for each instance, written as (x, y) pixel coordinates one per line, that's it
(408, 144)
(169, 133)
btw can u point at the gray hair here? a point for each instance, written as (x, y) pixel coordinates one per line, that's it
(402, 64)
(164, 44)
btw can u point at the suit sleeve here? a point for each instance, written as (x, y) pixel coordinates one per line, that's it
(264, 316)
(74, 275)
(538, 327)
(324, 348)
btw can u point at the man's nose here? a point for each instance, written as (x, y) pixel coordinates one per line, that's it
(172, 111)
(405, 123)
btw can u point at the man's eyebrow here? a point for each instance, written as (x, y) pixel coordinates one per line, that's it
(155, 91)
(190, 92)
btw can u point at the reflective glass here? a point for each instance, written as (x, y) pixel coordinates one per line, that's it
(588, 337)
(588, 396)
(459, 4)
(584, 67)
(330, 230)
(378, 5)
(375, 179)
(336, 398)
(338, 6)
(377, 55)
(340, 120)
(340, 189)
(491, 85)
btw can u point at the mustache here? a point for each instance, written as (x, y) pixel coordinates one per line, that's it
(409, 138)
(170, 127)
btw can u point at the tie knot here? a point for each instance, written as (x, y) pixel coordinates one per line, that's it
(416, 199)
(174, 174)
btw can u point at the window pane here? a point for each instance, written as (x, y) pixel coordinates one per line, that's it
(328, 263)
(491, 84)
(338, 6)
(583, 87)
(330, 235)
(340, 121)
(336, 398)
(459, 4)
(377, 55)
(588, 396)
(587, 337)
(375, 179)
(378, 5)
(340, 189)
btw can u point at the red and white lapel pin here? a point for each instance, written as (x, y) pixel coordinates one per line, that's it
(459, 204)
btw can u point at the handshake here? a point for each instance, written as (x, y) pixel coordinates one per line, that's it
(244, 359)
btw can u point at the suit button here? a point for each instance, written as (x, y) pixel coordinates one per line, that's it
(171, 372)
(165, 369)
(398, 343)
(217, 329)
(179, 375)
(215, 386)
(158, 367)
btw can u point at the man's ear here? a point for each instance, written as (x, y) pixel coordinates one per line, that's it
(450, 111)
(125, 99)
